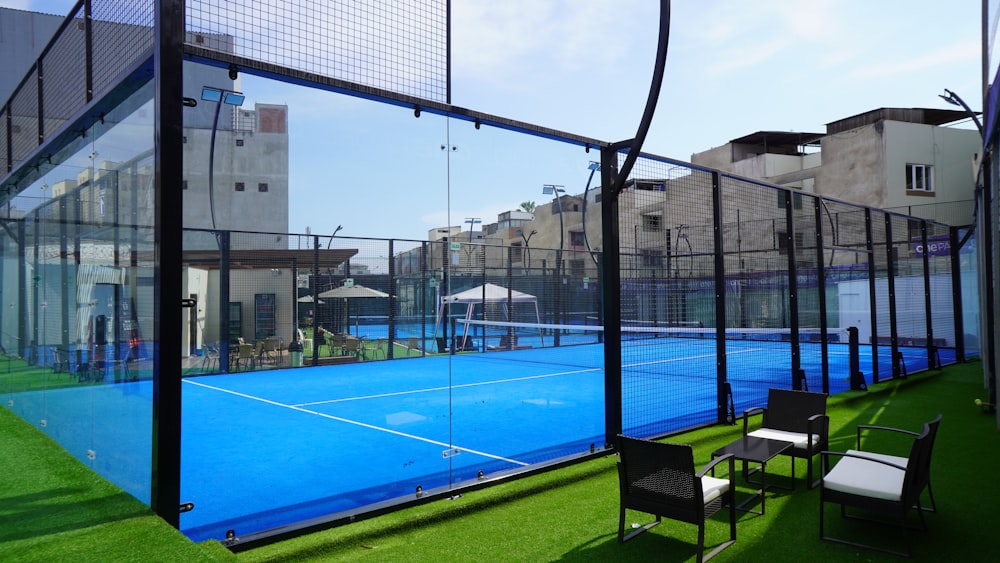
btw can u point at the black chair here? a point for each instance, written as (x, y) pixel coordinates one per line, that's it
(902, 460)
(798, 417)
(661, 479)
(870, 482)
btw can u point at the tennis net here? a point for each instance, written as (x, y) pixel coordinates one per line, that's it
(500, 335)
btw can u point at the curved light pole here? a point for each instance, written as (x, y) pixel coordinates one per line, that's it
(220, 96)
(984, 251)
(556, 189)
(953, 99)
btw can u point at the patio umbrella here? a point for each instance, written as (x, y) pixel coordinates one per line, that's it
(308, 299)
(352, 292)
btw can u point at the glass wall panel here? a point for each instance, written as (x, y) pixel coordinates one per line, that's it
(303, 252)
(848, 288)
(969, 273)
(666, 241)
(85, 364)
(756, 238)
(910, 293)
(881, 335)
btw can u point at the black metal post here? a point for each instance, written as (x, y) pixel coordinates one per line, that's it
(225, 350)
(793, 292)
(892, 256)
(872, 307)
(928, 322)
(611, 293)
(391, 290)
(169, 220)
(821, 289)
(721, 369)
(317, 337)
(956, 296)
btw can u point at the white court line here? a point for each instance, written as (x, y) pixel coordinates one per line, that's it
(355, 422)
(447, 387)
(686, 358)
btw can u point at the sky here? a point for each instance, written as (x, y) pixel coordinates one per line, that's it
(584, 66)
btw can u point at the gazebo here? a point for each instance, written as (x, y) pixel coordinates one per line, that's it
(481, 295)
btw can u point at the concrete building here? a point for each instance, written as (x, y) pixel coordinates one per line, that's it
(896, 159)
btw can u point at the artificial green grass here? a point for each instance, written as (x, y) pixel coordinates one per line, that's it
(572, 513)
(17, 375)
(53, 508)
(566, 514)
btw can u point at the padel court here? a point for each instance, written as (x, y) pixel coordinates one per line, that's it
(260, 449)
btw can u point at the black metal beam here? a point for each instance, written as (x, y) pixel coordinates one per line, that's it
(168, 246)
(611, 297)
(721, 368)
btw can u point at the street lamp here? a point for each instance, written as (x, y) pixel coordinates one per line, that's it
(984, 251)
(953, 99)
(220, 96)
(472, 225)
(556, 190)
(335, 231)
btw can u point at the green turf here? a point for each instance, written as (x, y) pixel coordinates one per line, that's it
(54, 509)
(17, 375)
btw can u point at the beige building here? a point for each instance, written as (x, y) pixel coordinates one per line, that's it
(897, 159)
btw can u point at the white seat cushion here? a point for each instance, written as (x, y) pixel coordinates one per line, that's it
(713, 487)
(799, 440)
(868, 478)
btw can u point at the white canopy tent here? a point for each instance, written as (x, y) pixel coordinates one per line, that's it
(481, 295)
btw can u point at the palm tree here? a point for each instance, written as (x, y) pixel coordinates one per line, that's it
(528, 206)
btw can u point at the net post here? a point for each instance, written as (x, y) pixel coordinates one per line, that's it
(854, 360)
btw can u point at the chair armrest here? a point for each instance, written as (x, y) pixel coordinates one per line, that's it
(750, 412)
(711, 465)
(819, 424)
(885, 428)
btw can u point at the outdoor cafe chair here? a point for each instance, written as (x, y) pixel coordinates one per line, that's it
(661, 479)
(900, 460)
(870, 482)
(798, 417)
(375, 348)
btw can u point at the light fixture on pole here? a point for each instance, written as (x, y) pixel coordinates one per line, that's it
(472, 221)
(953, 99)
(335, 231)
(555, 190)
(985, 254)
(220, 96)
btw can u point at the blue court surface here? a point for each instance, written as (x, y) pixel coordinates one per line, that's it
(263, 449)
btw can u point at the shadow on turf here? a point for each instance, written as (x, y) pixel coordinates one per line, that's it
(51, 512)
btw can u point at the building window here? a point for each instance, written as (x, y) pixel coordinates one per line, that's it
(576, 268)
(652, 223)
(184, 139)
(576, 238)
(240, 187)
(919, 178)
(262, 187)
(239, 142)
(184, 184)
